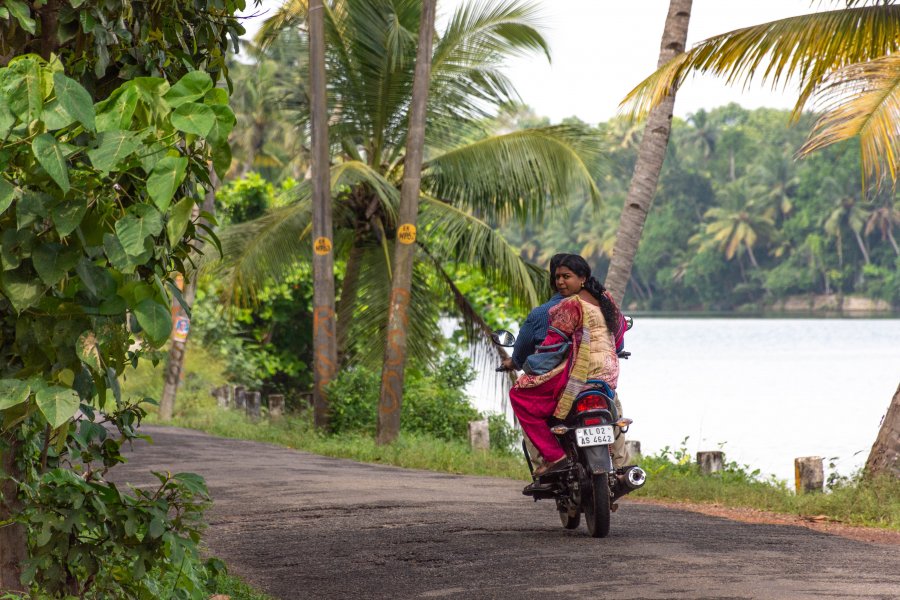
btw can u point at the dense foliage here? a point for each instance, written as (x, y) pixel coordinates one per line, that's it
(738, 221)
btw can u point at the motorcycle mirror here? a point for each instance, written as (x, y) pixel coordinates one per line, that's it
(629, 322)
(503, 338)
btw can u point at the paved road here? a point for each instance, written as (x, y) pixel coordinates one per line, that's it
(299, 525)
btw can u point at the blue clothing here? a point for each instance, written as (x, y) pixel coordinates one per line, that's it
(533, 331)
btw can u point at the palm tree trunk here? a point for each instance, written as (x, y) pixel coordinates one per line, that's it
(324, 338)
(890, 237)
(405, 248)
(13, 543)
(752, 257)
(884, 459)
(650, 159)
(177, 349)
(862, 246)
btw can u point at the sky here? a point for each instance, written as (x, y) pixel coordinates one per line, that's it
(601, 49)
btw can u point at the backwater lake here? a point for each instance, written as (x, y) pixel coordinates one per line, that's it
(764, 390)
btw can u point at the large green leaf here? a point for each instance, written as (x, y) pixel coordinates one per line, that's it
(13, 392)
(48, 152)
(22, 88)
(75, 99)
(165, 178)
(113, 147)
(53, 260)
(223, 125)
(58, 404)
(155, 319)
(31, 207)
(192, 117)
(178, 220)
(221, 155)
(117, 256)
(192, 86)
(7, 119)
(22, 289)
(21, 12)
(7, 194)
(68, 215)
(116, 111)
(55, 116)
(134, 228)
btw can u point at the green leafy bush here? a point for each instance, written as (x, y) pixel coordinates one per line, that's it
(434, 401)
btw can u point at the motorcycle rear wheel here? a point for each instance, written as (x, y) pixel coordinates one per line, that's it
(596, 505)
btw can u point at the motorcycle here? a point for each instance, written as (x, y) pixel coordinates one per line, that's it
(590, 485)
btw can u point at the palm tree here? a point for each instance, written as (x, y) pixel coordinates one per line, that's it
(735, 231)
(847, 214)
(404, 252)
(471, 181)
(845, 59)
(650, 159)
(883, 219)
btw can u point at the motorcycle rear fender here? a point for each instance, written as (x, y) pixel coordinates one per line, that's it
(598, 459)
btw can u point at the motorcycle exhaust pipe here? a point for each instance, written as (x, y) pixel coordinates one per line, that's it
(633, 478)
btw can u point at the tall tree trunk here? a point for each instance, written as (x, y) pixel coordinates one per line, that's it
(324, 337)
(752, 256)
(175, 362)
(13, 543)
(405, 248)
(884, 459)
(862, 246)
(650, 158)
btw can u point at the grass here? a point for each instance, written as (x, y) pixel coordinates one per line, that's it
(671, 474)
(236, 589)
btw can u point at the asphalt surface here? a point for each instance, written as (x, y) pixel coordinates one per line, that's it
(297, 525)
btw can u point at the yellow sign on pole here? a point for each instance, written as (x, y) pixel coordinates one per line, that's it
(406, 234)
(322, 246)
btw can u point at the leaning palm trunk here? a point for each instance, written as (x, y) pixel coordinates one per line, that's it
(884, 459)
(177, 349)
(405, 248)
(324, 338)
(650, 158)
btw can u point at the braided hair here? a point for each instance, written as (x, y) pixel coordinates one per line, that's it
(609, 309)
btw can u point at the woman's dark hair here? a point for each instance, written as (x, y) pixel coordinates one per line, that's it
(579, 266)
(554, 262)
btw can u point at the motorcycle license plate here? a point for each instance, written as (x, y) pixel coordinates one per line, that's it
(600, 435)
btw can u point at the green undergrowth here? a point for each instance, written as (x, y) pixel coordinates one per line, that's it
(236, 589)
(672, 476)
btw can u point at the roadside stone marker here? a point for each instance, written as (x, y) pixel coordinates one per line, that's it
(479, 435)
(240, 397)
(254, 404)
(276, 405)
(809, 474)
(711, 462)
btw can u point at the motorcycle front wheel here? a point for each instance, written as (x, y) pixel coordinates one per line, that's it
(596, 505)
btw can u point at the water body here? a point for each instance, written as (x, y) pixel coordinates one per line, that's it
(767, 390)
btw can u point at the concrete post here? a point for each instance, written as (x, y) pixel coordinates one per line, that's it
(711, 462)
(276, 406)
(479, 435)
(254, 404)
(809, 474)
(240, 397)
(632, 450)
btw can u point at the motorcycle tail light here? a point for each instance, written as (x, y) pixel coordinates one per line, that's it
(594, 401)
(593, 421)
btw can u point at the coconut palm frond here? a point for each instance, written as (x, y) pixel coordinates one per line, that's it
(366, 340)
(806, 47)
(456, 236)
(289, 14)
(260, 251)
(353, 173)
(513, 175)
(864, 100)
